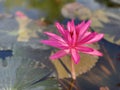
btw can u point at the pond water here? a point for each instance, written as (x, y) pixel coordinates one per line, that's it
(50, 10)
(24, 62)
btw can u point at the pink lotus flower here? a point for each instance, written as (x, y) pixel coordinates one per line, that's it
(73, 40)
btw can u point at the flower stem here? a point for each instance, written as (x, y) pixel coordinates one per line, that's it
(73, 70)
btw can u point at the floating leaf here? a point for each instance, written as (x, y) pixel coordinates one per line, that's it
(87, 62)
(101, 16)
(73, 10)
(111, 29)
(20, 74)
(41, 55)
(103, 21)
(77, 10)
(116, 1)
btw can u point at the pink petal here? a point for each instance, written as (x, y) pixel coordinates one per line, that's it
(74, 37)
(58, 54)
(55, 36)
(75, 56)
(86, 34)
(94, 52)
(83, 29)
(51, 43)
(72, 26)
(68, 37)
(54, 44)
(88, 37)
(78, 27)
(95, 38)
(84, 49)
(60, 28)
(69, 26)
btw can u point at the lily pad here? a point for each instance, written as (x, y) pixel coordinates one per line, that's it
(86, 63)
(77, 10)
(116, 1)
(103, 20)
(22, 73)
(35, 54)
(111, 30)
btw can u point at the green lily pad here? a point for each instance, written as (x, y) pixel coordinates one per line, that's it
(19, 73)
(86, 63)
(77, 10)
(111, 30)
(40, 55)
(103, 20)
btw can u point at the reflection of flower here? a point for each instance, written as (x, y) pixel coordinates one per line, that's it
(74, 39)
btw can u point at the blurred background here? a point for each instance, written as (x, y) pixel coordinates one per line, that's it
(29, 62)
(51, 9)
